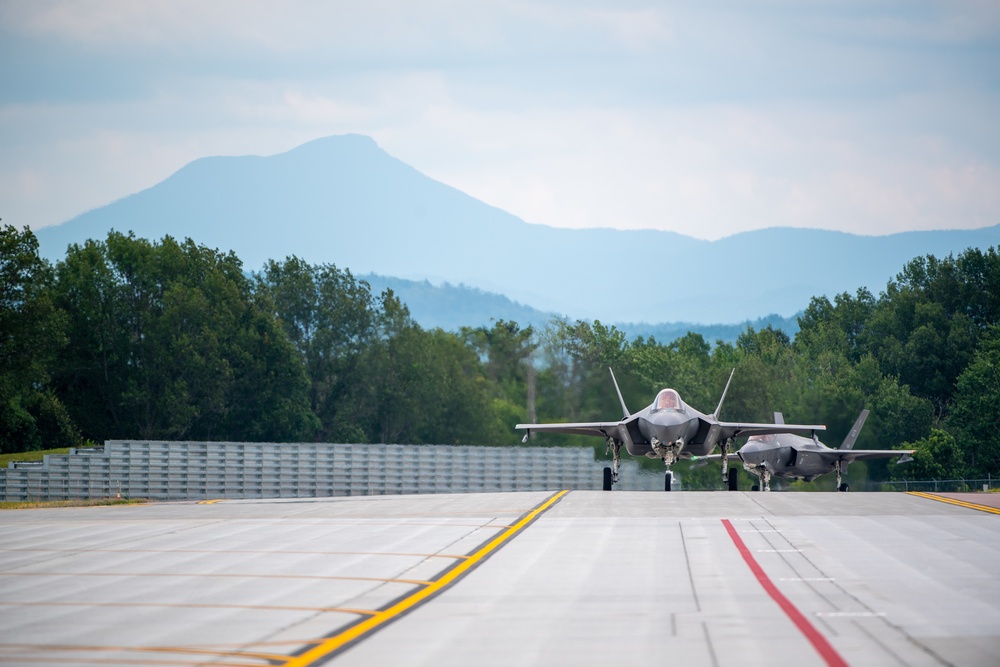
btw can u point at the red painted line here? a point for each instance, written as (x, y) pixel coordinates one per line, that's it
(819, 642)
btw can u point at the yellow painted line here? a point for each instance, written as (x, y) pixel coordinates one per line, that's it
(210, 502)
(953, 501)
(382, 617)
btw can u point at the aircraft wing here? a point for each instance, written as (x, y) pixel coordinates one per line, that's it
(848, 455)
(602, 429)
(738, 429)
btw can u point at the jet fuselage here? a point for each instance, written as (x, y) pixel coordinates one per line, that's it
(787, 455)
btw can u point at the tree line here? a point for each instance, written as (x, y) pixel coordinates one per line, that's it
(139, 339)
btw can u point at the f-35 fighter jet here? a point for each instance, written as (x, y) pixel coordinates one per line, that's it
(669, 430)
(792, 456)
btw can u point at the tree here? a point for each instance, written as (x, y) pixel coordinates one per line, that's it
(508, 352)
(505, 347)
(976, 412)
(168, 341)
(926, 326)
(423, 386)
(331, 319)
(936, 457)
(32, 331)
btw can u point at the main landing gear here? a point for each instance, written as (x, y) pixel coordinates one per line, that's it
(611, 474)
(728, 474)
(841, 485)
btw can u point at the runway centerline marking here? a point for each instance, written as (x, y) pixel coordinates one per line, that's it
(381, 617)
(819, 642)
(954, 501)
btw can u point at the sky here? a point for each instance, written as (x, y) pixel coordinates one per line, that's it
(704, 118)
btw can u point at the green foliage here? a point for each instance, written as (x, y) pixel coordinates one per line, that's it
(508, 352)
(127, 338)
(442, 382)
(32, 331)
(331, 319)
(937, 456)
(170, 342)
(976, 414)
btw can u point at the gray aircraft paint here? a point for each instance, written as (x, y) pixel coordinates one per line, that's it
(669, 429)
(794, 457)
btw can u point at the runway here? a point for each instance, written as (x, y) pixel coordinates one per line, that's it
(580, 578)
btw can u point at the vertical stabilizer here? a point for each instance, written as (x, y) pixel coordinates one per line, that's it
(779, 418)
(620, 399)
(855, 430)
(716, 413)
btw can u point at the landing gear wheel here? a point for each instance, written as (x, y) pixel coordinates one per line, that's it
(755, 488)
(607, 479)
(844, 487)
(734, 480)
(667, 478)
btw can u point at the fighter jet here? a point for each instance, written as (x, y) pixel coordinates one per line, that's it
(669, 430)
(792, 456)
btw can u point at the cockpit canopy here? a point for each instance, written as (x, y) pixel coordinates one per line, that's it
(766, 437)
(668, 399)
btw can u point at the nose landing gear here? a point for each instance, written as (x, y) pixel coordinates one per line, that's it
(669, 453)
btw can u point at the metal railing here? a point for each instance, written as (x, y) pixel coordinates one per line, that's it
(939, 485)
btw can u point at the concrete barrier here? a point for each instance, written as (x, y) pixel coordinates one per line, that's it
(161, 470)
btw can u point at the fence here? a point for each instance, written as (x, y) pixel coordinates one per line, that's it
(936, 485)
(161, 470)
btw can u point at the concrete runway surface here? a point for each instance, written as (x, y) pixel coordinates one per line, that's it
(580, 578)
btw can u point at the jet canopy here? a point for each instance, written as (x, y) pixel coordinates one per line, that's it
(668, 399)
(767, 437)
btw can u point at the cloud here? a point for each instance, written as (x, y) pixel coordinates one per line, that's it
(868, 117)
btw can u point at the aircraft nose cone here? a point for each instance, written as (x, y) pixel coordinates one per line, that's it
(668, 427)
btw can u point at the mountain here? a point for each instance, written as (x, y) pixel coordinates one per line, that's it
(344, 200)
(452, 307)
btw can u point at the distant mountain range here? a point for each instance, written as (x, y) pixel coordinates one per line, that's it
(452, 307)
(345, 201)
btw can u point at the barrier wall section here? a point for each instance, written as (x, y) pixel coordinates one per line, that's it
(162, 470)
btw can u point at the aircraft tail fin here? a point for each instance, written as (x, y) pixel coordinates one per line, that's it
(620, 399)
(717, 409)
(779, 418)
(852, 437)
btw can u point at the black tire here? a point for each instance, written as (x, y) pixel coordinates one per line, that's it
(667, 478)
(755, 487)
(607, 479)
(734, 480)
(844, 487)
